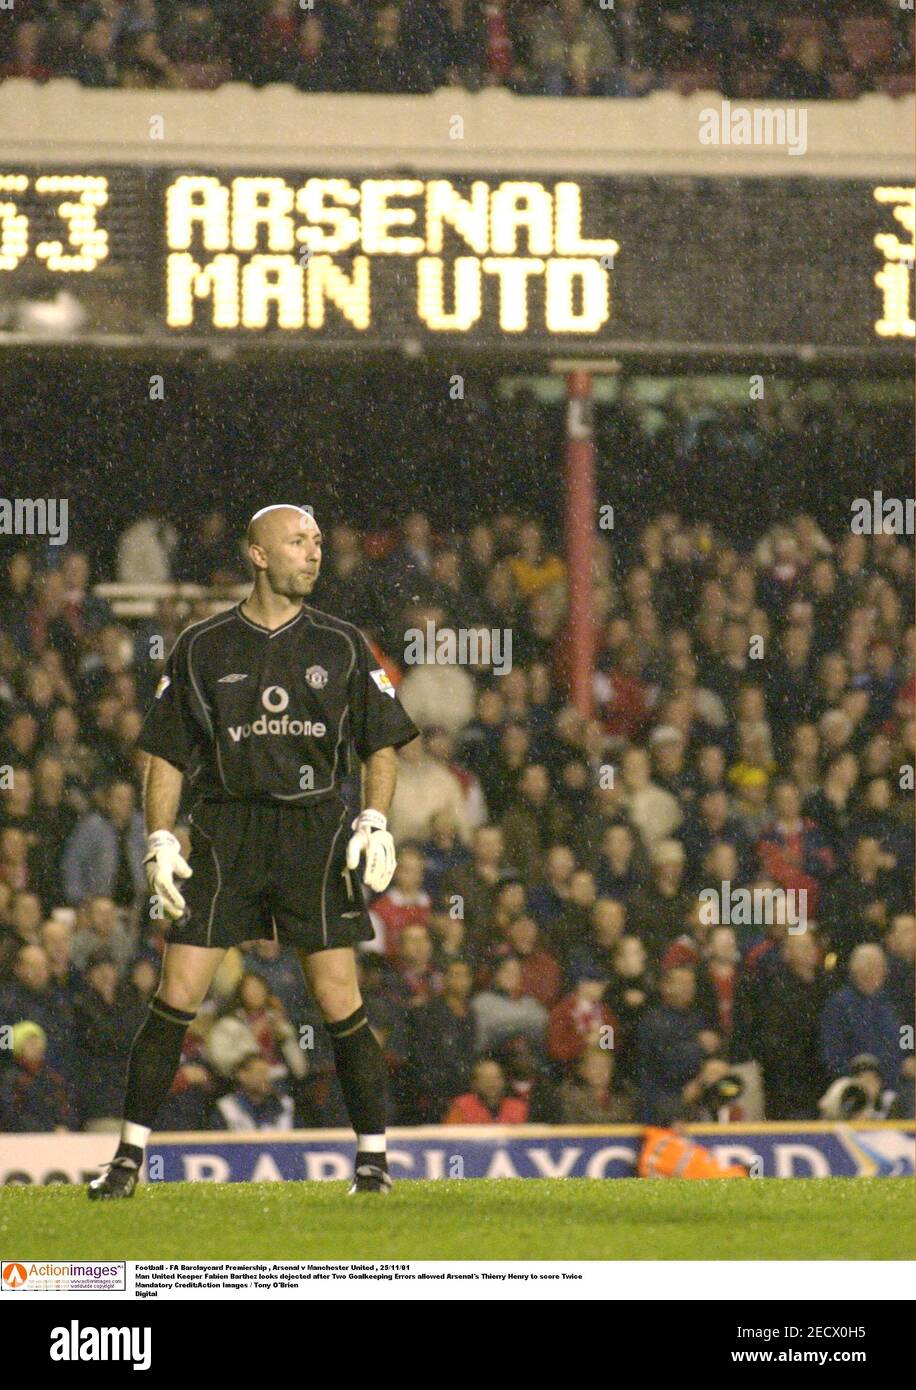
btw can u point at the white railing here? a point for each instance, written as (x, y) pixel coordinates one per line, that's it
(143, 600)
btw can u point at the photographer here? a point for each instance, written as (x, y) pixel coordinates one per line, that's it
(861, 1095)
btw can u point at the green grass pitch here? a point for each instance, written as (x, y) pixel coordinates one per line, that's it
(472, 1219)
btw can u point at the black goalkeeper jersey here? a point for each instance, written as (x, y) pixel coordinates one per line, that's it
(253, 715)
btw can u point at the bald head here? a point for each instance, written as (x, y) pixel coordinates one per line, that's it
(270, 521)
(284, 547)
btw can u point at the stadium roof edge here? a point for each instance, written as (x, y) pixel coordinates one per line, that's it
(454, 131)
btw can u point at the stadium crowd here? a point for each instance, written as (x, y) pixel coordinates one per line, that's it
(542, 953)
(778, 49)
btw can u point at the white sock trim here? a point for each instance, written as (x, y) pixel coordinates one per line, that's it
(134, 1134)
(370, 1143)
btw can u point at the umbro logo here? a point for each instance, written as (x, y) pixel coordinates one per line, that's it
(235, 676)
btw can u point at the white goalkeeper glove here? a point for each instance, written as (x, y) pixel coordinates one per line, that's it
(372, 838)
(163, 864)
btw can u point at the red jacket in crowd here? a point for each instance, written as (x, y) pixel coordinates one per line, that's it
(469, 1109)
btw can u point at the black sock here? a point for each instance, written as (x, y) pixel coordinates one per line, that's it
(131, 1151)
(376, 1160)
(361, 1072)
(154, 1058)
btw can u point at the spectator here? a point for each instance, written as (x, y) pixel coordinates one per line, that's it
(657, 912)
(15, 596)
(547, 900)
(443, 851)
(254, 1102)
(572, 52)
(487, 1103)
(25, 57)
(636, 36)
(33, 1097)
(785, 1031)
(589, 1097)
(440, 745)
(79, 761)
(424, 788)
(580, 1020)
(145, 549)
(712, 823)
(473, 887)
(860, 901)
(541, 975)
(501, 775)
(261, 1015)
(19, 744)
(417, 981)
(874, 819)
(631, 990)
(25, 916)
(859, 1018)
(830, 805)
(30, 997)
(792, 850)
(404, 903)
(654, 812)
(451, 35)
(435, 694)
(504, 1011)
(594, 957)
(102, 1040)
(533, 822)
(450, 939)
(900, 944)
(534, 568)
(96, 66)
(573, 926)
(480, 737)
(673, 1048)
(279, 968)
(622, 867)
(803, 75)
(388, 65)
(441, 1047)
(104, 854)
(57, 942)
(101, 930)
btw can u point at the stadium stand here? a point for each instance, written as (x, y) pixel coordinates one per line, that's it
(534, 47)
(546, 897)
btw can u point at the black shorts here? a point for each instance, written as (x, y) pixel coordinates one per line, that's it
(268, 870)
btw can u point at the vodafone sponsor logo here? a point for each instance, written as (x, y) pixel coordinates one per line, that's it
(275, 701)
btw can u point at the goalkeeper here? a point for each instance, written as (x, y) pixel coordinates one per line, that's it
(259, 710)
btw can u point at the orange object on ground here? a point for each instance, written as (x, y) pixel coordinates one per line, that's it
(669, 1155)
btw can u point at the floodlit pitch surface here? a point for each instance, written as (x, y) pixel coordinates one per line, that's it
(473, 1219)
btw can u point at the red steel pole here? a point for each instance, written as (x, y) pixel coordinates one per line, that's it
(580, 532)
